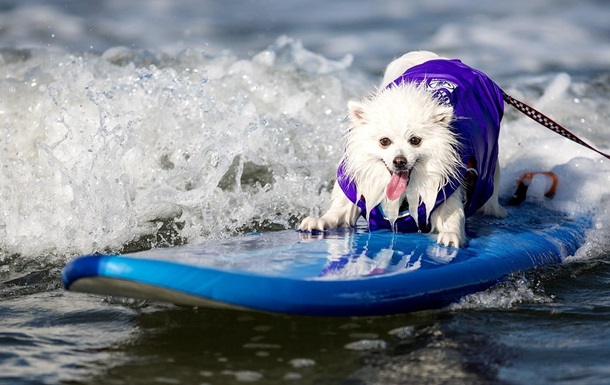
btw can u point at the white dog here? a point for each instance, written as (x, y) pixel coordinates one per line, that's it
(421, 154)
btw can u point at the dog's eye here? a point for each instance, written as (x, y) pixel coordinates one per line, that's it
(415, 141)
(385, 142)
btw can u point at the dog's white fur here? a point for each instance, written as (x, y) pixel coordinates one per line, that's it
(399, 114)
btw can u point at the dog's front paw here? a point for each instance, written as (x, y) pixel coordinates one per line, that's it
(313, 224)
(450, 239)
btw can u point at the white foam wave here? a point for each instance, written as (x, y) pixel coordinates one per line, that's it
(584, 176)
(515, 291)
(99, 150)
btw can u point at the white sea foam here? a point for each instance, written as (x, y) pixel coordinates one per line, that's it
(504, 296)
(98, 150)
(584, 176)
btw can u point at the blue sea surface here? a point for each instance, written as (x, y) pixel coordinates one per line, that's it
(131, 125)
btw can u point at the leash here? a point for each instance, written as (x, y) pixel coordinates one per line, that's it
(547, 122)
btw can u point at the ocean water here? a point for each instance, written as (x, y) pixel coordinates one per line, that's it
(131, 125)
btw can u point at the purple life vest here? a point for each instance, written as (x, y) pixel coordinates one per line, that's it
(478, 107)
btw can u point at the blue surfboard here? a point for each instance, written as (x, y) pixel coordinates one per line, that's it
(341, 272)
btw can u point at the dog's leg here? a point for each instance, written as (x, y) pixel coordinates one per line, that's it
(342, 213)
(492, 207)
(449, 220)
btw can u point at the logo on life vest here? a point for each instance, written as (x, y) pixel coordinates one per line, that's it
(441, 90)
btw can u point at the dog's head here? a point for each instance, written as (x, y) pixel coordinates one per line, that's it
(400, 136)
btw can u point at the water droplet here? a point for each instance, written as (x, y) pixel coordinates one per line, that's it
(367, 345)
(302, 363)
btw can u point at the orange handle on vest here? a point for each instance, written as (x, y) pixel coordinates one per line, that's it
(524, 182)
(528, 176)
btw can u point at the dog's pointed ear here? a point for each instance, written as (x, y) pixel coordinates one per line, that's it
(444, 117)
(357, 112)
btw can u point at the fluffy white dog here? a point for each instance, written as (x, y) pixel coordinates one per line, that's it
(421, 154)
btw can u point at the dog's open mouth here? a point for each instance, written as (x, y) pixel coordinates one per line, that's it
(398, 185)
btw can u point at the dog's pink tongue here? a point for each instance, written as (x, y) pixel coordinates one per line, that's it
(397, 185)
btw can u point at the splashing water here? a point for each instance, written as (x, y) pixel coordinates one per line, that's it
(99, 151)
(133, 148)
(128, 148)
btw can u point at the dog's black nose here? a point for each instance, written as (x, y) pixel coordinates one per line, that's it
(400, 162)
